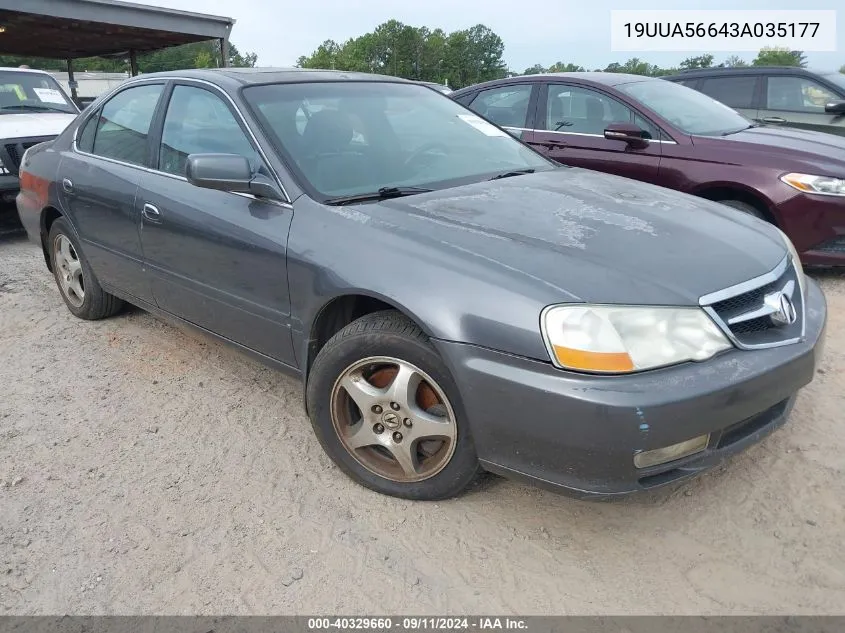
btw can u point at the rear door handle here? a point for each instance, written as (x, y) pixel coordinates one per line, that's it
(774, 119)
(151, 213)
(67, 185)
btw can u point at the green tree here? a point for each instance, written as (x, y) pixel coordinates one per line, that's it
(774, 56)
(734, 61)
(536, 69)
(842, 69)
(204, 60)
(701, 61)
(636, 66)
(560, 67)
(393, 48)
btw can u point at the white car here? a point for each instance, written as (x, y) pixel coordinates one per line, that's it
(33, 109)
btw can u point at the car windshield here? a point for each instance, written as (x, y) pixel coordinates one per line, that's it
(32, 92)
(690, 111)
(836, 78)
(354, 137)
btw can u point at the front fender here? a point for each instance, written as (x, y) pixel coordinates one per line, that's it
(452, 294)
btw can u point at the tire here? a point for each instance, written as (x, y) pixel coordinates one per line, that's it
(745, 208)
(366, 353)
(77, 283)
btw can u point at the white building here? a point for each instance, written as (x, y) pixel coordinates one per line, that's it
(90, 84)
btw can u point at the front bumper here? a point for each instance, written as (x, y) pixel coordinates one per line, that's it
(816, 225)
(580, 433)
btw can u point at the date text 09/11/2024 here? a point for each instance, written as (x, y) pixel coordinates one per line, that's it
(417, 624)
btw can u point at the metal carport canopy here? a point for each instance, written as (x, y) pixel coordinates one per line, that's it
(68, 29)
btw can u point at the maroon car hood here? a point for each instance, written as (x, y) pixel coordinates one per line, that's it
(788, 141)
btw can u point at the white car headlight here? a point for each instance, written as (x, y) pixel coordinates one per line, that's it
(624, 339)
(825, 185)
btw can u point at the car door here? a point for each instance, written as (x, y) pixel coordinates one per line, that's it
(507, 106)
(799, 101)
(571, 120)
(739, 91)
(98, 183)
(216, 259)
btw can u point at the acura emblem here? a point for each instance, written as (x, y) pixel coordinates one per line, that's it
(783, 311)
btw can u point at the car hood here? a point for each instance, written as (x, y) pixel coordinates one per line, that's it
(786, 140)
(33, 124)
(589, 236)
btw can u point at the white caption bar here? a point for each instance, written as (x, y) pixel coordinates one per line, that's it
(712, 31)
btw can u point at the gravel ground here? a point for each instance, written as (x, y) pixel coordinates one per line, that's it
(147, 470)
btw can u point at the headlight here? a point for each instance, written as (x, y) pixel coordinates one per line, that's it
(624, 339)
(816, 184)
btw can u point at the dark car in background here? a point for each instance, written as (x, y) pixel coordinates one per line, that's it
(451, 300)
(789, 96)
(663, 133)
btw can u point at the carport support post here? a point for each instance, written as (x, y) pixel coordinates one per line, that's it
(70, 80)
(133, 63)
(224, 51)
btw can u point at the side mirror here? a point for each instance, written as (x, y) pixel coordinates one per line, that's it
(228, 172)
(835, 107)
(631, 133)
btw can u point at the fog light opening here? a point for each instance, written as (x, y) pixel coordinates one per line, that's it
(666, 454)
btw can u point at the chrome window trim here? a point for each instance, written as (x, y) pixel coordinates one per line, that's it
(525, 129)
(706, 302)
(164, 81)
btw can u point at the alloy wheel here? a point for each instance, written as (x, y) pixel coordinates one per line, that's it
(69, 271)
(394, 419)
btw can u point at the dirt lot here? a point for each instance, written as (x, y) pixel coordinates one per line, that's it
(146, 470)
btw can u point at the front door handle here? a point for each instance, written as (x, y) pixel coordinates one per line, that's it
(151, 213)
(67, 185)
(774, 119)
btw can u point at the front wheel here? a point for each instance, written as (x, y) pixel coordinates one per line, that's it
(739, 205)
(387, 411)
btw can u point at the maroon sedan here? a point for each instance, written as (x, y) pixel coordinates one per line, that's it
(676, 137)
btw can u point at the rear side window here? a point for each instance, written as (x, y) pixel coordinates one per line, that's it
(124, 124)
(465, 99)
(736, 92)
(85, 137)
(506, 106)
(689, 83)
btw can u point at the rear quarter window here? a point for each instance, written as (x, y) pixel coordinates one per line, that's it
(736, 92)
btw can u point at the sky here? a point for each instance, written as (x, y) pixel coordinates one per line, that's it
(537, 32)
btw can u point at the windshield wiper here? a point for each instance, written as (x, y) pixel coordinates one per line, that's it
(740, 130)
(515, 172)
(29, 106)
(382, 194)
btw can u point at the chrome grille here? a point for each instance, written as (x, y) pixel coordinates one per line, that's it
(754, 314)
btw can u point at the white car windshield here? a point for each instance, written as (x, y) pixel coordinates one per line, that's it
(690, 111)
(354, 137)
(21, 91)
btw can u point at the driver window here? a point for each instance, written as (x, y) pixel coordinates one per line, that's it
(199, 122)
(797, 94)
(582, 111)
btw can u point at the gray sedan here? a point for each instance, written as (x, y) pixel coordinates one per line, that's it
(451, 300)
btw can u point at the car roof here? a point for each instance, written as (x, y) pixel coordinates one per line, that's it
(265, 75)
(607, 79)
(23, 70)
(772, 70)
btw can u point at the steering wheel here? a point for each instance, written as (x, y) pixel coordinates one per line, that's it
(422, 150)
